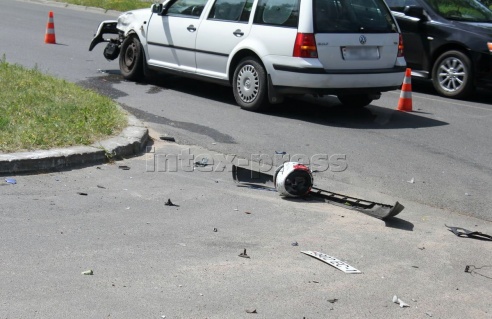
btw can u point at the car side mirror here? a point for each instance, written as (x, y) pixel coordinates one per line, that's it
(416, 12)
(157, 8)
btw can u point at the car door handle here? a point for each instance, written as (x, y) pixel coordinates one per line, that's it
(191, 28)
(238, 33)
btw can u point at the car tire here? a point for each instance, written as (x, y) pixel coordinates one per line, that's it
(249, 85)
(355, 100)
(452, 75)
(131, 58)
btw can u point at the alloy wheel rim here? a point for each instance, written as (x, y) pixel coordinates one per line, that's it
(248, 83)
(452, 74)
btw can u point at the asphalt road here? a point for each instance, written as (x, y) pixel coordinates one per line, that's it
(444, 146)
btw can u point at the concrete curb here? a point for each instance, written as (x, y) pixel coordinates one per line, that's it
(130, 141)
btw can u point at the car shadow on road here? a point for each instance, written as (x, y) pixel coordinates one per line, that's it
(325, 111)
(425, 87)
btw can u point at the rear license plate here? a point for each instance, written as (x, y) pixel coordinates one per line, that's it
(360, 53)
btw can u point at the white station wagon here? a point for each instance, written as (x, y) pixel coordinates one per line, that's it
(264, 49)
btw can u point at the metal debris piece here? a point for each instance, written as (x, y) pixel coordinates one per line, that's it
(83, 194)
(243, 254)
(124, 167)
(251, 311)
(88, 272)
(254, 178)
(461, 232)
(202, 163)
(332, 300)
(167, 138)
(169, 203)
(295, 244)
(400, 302)
(10, 181)
(340, 265)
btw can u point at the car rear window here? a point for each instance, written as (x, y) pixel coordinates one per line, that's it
(283, 13)
(352, 16)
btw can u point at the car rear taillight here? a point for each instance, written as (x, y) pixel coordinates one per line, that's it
(400, 46)
(305, 46)
(489, 45)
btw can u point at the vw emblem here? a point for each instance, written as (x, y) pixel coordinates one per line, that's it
(362, 39)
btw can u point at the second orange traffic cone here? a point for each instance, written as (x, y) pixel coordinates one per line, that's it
(405, 102)
(50, 30)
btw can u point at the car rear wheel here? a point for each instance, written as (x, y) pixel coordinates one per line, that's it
(249, 85)
(131, 58)
(355, 100)
(452, 75)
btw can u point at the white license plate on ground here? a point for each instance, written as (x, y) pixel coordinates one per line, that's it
(346, 268)
(360, 53)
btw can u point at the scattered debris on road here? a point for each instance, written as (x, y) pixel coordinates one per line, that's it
(400, 302)
(280, 153)
(461, 232)
(243, 254)
(88, 272)
(169, 203)
(340, 265)
(202, 163)
(100, 186)
(10, 181)
(332, 300)
(215, 230)
(124, 167)
(295, 244)
(412, 181)
(83, 194)
(251, 311)
(295, 180)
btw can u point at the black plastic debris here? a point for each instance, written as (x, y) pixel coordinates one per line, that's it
(83, 194)
(471, 269)
(295, 244)
(124, 167)
(167, 138)
(332, 300)
(169, 203)
(280, 153)
(100, 186)
(461, 232)
(10, 181)
(243, 254)
(215, 230)
(251, 311)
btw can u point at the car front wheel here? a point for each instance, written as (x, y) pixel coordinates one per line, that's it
(131, 58)
(249, 85)
(355, 100)
(452, 75)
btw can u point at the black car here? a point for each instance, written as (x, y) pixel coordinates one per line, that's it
(447, 41)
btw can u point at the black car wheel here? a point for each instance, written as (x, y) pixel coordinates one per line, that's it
(249, 85)
(131, 58)
(452, 75)
(355, 100)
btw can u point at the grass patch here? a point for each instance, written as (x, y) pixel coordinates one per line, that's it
(118, 5)
(38, 111)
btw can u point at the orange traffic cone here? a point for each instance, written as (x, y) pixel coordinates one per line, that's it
(405, 102)
(50, 30)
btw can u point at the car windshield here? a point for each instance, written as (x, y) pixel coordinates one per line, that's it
(462, 10)
(353, 16)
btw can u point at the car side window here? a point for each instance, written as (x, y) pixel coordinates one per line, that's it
(187, 8)
(231, 10)
(283, 13)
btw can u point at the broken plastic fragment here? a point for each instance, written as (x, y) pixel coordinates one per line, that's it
(169, 203)
(251, 311)
(243, 254)
(332, 300)
(88, 272)
(100, 186)
(411, 181)
(295, 244)
(168, 138)
(83, 194)
(202, 163)
(11, 181)
(400, 302)
(280, 152)
(124, 167)
(215, 230)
